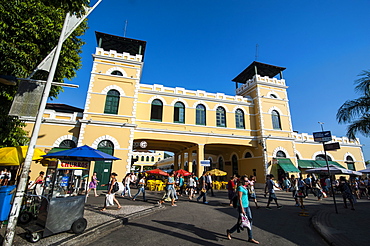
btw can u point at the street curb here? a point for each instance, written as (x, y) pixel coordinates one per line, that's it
(321, 223)
(106, 228)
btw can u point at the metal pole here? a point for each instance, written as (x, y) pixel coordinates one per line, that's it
(327, 166)
(9, 236)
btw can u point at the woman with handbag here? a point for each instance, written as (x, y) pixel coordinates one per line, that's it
(112, 188)
(245, 215)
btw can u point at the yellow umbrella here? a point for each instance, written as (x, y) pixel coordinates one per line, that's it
(217, 172)
(11, 156)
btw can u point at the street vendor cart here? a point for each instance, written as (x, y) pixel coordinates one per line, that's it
(63, 201)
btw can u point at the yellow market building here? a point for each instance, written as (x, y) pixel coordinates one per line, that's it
(247, 133)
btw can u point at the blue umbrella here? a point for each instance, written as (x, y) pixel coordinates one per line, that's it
(84, 152)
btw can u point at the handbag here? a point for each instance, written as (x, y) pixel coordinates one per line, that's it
(245, 222)
(115, 187)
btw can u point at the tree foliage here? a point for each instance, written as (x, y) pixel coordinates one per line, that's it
(356, 112)
(29, 30)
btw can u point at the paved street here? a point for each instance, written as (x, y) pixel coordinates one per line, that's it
(192, 223)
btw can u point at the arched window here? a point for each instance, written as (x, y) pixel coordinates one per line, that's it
(248, 155)
(156, 110)
(220, 163)
(350, 163)
(239, 118)
(116, 72)
(112, 102)
(67, 144)
(142, 158)
(322, 158)
(200, 117)
(234, 162)
(147, 159)
(179, 113)
(273, 96)
(152, 158)
(221, 117)
(159, 159)
(280, 154)
(276, 124)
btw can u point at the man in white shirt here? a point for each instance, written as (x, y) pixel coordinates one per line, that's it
(209, 184)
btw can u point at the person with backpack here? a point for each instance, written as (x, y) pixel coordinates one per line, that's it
(141, 188)
(243, 209)
(112, 188)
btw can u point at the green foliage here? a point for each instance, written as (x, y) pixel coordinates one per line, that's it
(357, 112)
(29, 30)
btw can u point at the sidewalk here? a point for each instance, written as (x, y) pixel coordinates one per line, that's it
(99, 224)
(348, 227)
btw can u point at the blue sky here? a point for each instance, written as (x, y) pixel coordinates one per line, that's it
(204, 44)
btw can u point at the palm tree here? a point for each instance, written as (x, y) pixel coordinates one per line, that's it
(357, 112)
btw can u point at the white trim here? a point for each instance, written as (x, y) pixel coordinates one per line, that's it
(299, 154)
(268, 95)
(159, 98)
(349, 154)
(203, 103)
(105, 137)
(280, 149)
(110, 70)
(322, 153)
(179, 100)
(275, 108)
(221, 105)
(238, 107)
(245, 152)
(113, 87)
(65, 137)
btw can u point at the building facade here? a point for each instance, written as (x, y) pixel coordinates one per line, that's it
(247, 133)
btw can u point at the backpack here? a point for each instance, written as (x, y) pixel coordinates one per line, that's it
(115, 187)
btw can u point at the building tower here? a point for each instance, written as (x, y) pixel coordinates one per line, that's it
(273, 120)
(111, 101)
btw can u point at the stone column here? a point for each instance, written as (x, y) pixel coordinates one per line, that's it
(175, 161)
(200, 157)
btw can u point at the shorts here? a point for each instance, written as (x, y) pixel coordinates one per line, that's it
(272, 196)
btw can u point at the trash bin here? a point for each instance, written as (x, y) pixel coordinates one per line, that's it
(5, 200)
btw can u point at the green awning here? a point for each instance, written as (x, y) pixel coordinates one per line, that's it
(287, 165)
(308, 164)
(323, 163)
(316, 164)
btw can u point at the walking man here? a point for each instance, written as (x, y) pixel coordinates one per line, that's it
(203, 188)
(269, 188)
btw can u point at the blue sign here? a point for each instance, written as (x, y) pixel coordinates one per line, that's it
(322, 136)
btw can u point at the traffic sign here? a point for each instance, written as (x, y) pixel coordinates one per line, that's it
(332, 146)
(322, 136)
(205, 163)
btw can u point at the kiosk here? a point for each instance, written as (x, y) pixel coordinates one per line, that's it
(62, 205)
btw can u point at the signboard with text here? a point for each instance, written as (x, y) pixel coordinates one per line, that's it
(322, 136)
(205, 163)
(73, 164)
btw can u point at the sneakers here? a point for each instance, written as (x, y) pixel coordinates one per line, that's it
(268, 208)
(205, 202)
(279, 207)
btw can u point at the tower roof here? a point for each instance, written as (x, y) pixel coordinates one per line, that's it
(120, 44)
(258, 68)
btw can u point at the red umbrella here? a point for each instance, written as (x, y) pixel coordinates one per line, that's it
(183, 172)
(157, 172)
